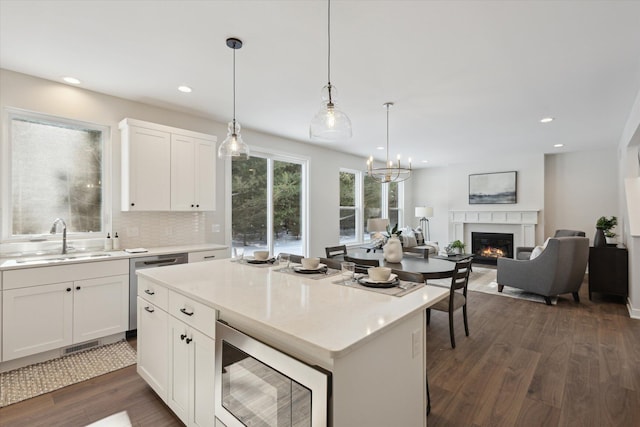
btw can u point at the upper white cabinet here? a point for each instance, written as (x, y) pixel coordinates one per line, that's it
(166, 168)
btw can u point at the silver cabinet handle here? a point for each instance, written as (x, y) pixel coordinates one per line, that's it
(149, 309)
(148, 292)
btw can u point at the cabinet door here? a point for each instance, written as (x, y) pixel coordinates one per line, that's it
(202, 372)
(36, 319)
(178, 381)
(153, 346)
(206, 175)
(147, 177)
(183, 173)
(100, 307)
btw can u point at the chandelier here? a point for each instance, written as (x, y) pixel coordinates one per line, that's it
(390, 172)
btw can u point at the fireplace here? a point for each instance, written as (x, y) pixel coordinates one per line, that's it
(488, 247)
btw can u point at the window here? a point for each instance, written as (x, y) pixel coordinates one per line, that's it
(348, 210)
(267, 201)
(55, 169)
(362, 198)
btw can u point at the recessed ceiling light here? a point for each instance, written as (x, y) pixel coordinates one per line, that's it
(546, 120)
(425, 161)
(379, 148)
(558, 145)
(71, 80)
(185, 89)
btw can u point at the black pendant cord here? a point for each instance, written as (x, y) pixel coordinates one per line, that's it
(234, 91)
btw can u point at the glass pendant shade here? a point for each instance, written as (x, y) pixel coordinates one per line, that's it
(329, 123)
(233, 146)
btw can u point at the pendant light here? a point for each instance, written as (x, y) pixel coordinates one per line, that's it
(329, 124)
(390, 172)
(233, 146)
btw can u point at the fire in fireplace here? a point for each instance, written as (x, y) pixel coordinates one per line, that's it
(488, 247)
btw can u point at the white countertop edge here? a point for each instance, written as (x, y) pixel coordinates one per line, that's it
(11, 264)
(325, 352)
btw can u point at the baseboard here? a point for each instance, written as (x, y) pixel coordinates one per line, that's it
(10, 365)
(634, 313)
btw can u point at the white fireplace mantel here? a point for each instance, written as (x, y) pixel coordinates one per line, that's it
(525, 220)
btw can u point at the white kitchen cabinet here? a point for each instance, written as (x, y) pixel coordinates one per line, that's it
(166, 168)
(36, 319)
(192, 174)
(152, 345)
(100, 307)
(47, 308)
(191, 374)
(206, 255)
(146, 163)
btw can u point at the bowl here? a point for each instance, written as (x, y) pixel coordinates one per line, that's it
(379, 274)
(310, 263)
(261, 255)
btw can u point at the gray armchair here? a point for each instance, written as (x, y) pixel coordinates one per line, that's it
(524, 252)
(559, 269)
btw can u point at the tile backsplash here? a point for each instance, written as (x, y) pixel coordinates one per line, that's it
(152, 229)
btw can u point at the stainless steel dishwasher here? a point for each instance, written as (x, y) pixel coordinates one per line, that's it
(139, 263)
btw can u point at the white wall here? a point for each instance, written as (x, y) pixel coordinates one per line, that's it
(448, 189)
(167, 228)
(580, 187)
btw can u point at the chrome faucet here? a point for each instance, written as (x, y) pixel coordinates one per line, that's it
(64, 233)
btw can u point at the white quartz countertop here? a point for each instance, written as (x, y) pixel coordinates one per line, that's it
(314, 314)
(81, 256)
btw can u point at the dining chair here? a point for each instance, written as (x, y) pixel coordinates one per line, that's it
(333, 251)
(331, 263)
(408, 276)
(362, 264)
(296, 259)
(457, 298)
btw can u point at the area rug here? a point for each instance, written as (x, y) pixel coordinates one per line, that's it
(40, 378)
(483, 280)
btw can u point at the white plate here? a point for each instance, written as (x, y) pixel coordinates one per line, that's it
(301, 268)
(392, 278)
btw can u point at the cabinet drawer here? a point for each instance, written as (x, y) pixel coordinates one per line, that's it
(193, 313)
(205, 255)
(153, 293)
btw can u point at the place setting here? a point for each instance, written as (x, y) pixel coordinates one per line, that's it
(310, 267)
(377, 279)
(259, 258)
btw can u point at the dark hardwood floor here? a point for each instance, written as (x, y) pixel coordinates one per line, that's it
(529, 364)
(524, 364)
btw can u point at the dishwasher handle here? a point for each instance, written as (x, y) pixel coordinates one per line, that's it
(161, 262)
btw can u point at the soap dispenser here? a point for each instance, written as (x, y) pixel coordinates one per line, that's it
(116, 242)
(108, 244)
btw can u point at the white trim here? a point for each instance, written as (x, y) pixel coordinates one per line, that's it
(634, 313)
(5, 176)
(270, 156)
(526, 219)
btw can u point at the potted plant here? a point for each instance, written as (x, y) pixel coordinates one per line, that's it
(606, 224)
(457, 246)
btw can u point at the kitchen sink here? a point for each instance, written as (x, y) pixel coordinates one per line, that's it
(54, 259)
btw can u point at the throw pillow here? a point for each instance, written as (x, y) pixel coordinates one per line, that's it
(409, 240)
(536, 252)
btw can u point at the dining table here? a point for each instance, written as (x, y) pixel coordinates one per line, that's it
(430, 268)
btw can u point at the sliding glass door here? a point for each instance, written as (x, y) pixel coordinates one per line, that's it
(267, 204)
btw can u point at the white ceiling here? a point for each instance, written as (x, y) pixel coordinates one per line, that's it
(469, 78)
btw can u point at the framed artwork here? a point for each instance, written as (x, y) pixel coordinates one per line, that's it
(492, 188)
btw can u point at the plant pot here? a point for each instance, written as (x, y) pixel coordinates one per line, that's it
(599, 241)
(611, 241)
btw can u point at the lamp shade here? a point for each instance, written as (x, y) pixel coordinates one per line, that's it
(377, 224)
(424, 212)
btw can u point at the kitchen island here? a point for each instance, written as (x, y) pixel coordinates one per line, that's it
(373, 344)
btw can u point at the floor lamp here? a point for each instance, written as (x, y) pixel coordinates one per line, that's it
(424, 213)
